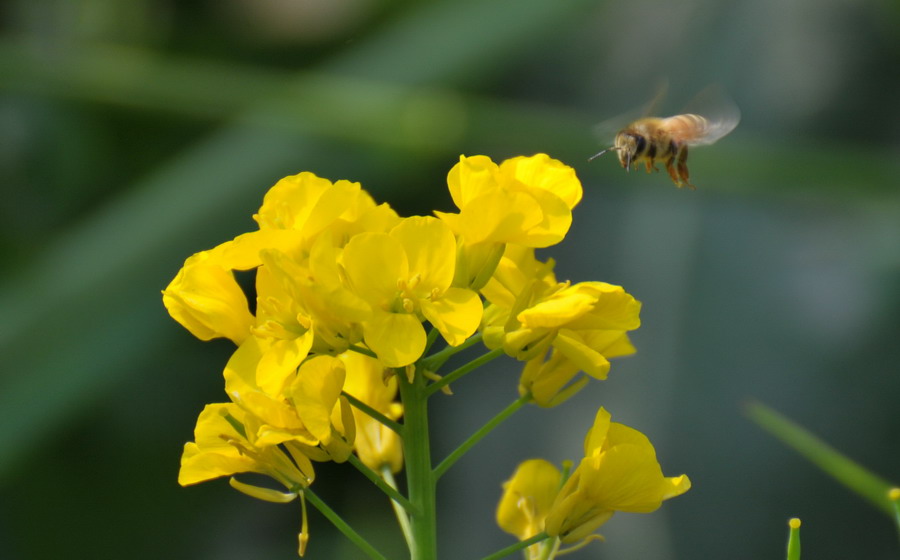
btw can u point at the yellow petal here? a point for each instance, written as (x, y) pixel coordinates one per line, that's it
(260, 493)
(556, 219)
(430, 249)
(456, 314)
(280, 360)
(205, 298)
(315, 392)
(209, 456)
(614, 308)
(374, 262)
(527, 498)
(540, 171)
(470, 177)
(291, 201)
(397, 338)
(558, 310)
(585, 358)
(500, 216)
(624, 478)
(597, 434)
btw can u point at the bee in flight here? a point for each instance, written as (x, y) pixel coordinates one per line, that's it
(653, 139)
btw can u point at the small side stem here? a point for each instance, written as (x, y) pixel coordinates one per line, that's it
(391, 492)
(363, 351)
(395, 427)
(516, 547)
(433, 335)
(463, 370)
(894, 497)
(402, 516)
(479, 435)
(436, 360)
(342, 525)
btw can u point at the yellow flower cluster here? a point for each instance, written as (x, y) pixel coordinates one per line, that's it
(342, 289)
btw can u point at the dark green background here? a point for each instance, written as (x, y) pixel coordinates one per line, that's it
(133, 134)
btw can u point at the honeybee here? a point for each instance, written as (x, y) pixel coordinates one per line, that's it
(653, 139)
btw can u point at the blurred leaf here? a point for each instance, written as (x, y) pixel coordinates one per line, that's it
(868, 485)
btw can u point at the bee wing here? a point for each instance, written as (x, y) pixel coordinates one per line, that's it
(606, 130)
(721, 113)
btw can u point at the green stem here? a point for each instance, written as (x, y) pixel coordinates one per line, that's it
(477, 436)
(392, 493)
(433, 335)
(518, 546)
(402, 516)
(550, 548)
(894, 497)
(793, 547)
(363, 351)
(342, 525)
(396, 427)
(419, 478)
(462, 370)
(436, 360)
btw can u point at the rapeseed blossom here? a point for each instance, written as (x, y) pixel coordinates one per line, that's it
(524, 201)
(350, 297)
(405, 276)
(527, 498)
(619, 472)
(580, 325)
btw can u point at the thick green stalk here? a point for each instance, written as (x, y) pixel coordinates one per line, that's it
(419, 477)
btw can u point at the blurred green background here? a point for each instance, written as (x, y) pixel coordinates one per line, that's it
(133, 134)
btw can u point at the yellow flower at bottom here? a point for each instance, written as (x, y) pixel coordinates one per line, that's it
(526, 500)
(618, 473)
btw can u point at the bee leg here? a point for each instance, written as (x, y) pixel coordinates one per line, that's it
(650, 165)
(682, 167)
(673, 172)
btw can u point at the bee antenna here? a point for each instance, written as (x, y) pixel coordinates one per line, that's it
(598, 154)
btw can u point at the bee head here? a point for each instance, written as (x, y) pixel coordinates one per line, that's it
(629, 146)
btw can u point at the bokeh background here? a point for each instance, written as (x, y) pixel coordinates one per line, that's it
(133, 134)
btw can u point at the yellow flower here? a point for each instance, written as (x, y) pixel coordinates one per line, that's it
(525, 200)
(206, 299)
(376, 445)
(406, 276)
(526, 500)
(300, 415)
(618, 473)
(296, 212)
(530, 312)
(310, 205)
(550, 381)
(225, 443)
(284, 331)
